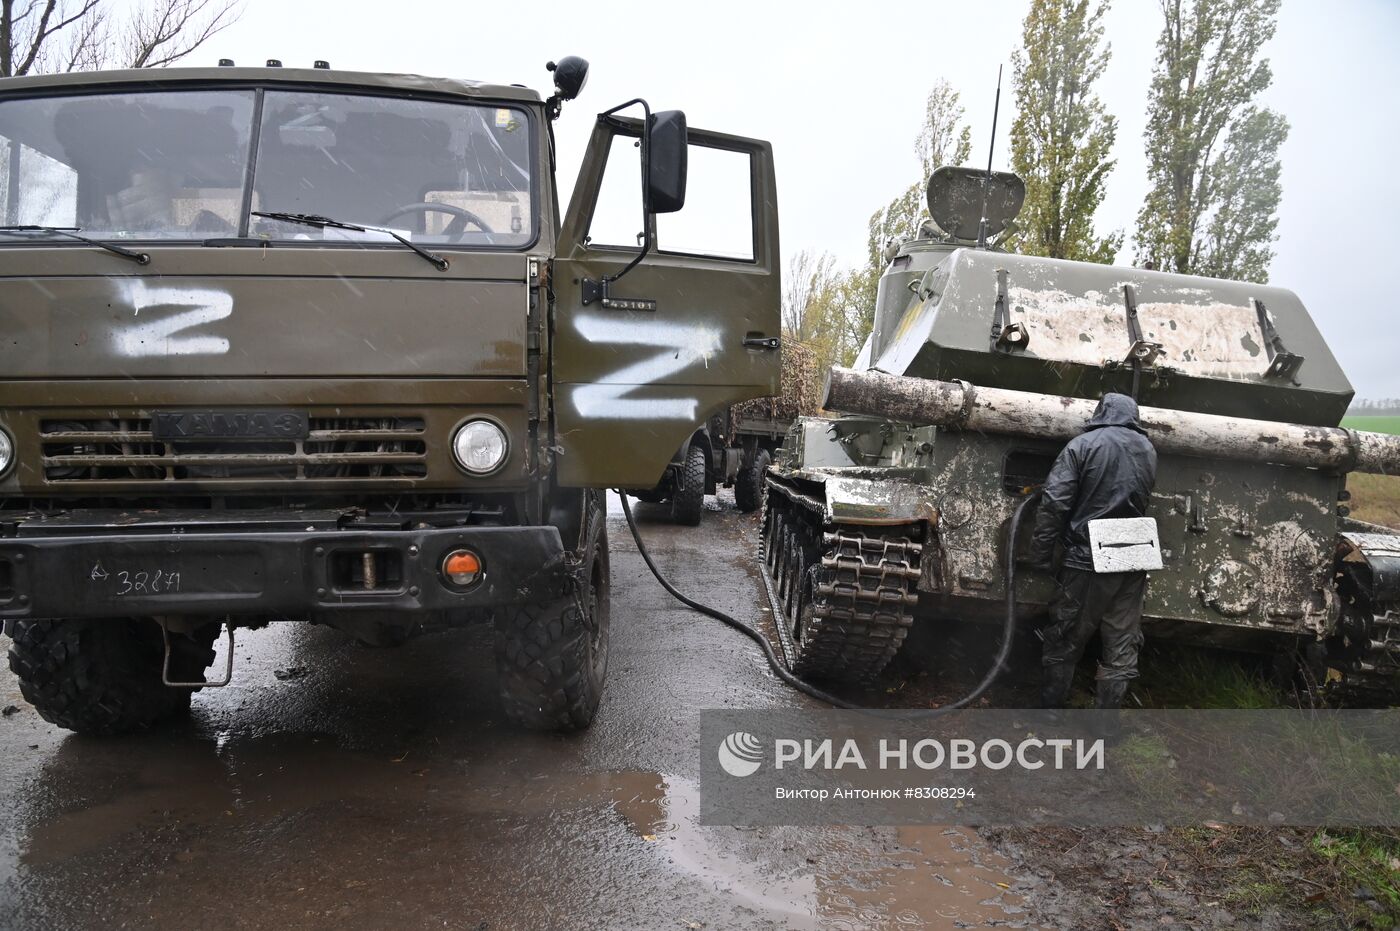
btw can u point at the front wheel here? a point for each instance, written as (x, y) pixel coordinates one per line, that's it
(688, 500)
(103, 676)
(552, 656)
(752, 483)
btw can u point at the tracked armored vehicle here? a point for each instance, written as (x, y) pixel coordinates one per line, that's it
(298, 344)
(983, 363)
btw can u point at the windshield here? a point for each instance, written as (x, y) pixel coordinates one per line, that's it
(177, 165)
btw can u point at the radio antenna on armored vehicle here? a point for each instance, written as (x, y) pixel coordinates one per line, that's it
(987, 180)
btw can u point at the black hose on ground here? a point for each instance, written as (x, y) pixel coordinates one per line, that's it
(783, 673)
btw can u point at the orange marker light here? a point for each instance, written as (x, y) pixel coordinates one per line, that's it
(461, 567)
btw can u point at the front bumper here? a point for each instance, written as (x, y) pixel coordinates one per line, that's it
(287, 573)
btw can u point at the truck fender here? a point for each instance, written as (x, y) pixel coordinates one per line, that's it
(699, 437)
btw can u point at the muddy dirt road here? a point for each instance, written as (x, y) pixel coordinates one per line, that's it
(337, 785)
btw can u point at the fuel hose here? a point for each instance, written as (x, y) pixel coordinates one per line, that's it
(783, 673)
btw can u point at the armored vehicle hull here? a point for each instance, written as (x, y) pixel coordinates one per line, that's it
(982, 364)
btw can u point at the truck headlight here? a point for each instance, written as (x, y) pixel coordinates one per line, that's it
(7, 452)
(480, 446)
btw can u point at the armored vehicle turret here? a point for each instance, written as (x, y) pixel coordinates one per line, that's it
(982, 363)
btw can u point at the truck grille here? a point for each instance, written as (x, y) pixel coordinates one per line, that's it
(337, 448)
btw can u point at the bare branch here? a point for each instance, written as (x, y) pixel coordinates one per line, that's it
(43, 32)
(88, 44)
(36, 41)
(173, 29)
(80, 35)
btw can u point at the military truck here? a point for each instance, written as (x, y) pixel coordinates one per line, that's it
(309, 345)
(730, 450)
(982, 363)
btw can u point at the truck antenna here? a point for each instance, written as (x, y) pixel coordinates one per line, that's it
(987, 181)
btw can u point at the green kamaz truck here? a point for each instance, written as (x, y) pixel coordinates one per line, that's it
(283, 344)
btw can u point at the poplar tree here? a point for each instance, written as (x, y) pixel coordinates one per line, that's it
(943, 139)
(1062, 137)
(1212, 152)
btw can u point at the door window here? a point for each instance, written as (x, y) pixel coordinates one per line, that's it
(717, 220)
(617, 215)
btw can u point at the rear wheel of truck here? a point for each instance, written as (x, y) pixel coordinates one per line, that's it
(103, 676)
(552, 657)
(749, 488)
(688, 500)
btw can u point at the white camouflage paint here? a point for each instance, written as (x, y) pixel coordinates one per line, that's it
(1207, 338)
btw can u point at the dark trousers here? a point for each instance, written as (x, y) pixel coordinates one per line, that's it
(1109, 604)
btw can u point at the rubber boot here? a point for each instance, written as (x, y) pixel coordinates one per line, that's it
(1055, 684)
(1109, 693)
(1108, 704)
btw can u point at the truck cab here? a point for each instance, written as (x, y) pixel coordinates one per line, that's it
(284, 344)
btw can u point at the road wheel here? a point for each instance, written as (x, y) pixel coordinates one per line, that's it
(103, 676)
(689, 498)
(752, 483)
(552, 656)
(772, 541)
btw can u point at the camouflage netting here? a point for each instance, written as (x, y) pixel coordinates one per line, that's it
(801, 385)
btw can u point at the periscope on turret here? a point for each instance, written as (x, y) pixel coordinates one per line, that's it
(893, 510)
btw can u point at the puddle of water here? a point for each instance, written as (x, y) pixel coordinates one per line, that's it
(240, 792)
(665, 810)
(929, 877)
(936, 877)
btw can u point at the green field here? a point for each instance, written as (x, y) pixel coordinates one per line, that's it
(1374, 424)
(1375, 498)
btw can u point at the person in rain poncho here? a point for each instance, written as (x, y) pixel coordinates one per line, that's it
(1105, 472)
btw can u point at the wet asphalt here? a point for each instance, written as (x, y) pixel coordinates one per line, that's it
(336, 785)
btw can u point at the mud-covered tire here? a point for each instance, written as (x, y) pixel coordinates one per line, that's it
(751, 483)
(688, 500)
(103, 676)
(552, 657)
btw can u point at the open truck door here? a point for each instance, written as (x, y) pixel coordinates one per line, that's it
(658, 328)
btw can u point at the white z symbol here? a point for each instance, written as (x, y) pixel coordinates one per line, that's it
(678, 346)
(159, 337)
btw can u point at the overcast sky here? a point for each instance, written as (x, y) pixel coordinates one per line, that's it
(839, 87)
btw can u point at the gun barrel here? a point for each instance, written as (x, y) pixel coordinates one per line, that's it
(962, 406)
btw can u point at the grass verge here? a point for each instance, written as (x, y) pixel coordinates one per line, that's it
(1178, 676)
(1375, 498)
(1340, 878)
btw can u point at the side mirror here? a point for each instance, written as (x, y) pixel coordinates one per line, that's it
(665, 152)
(666, 157)
(570, 74)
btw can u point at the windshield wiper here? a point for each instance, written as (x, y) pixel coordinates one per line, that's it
(140, 258)
(311, 219)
